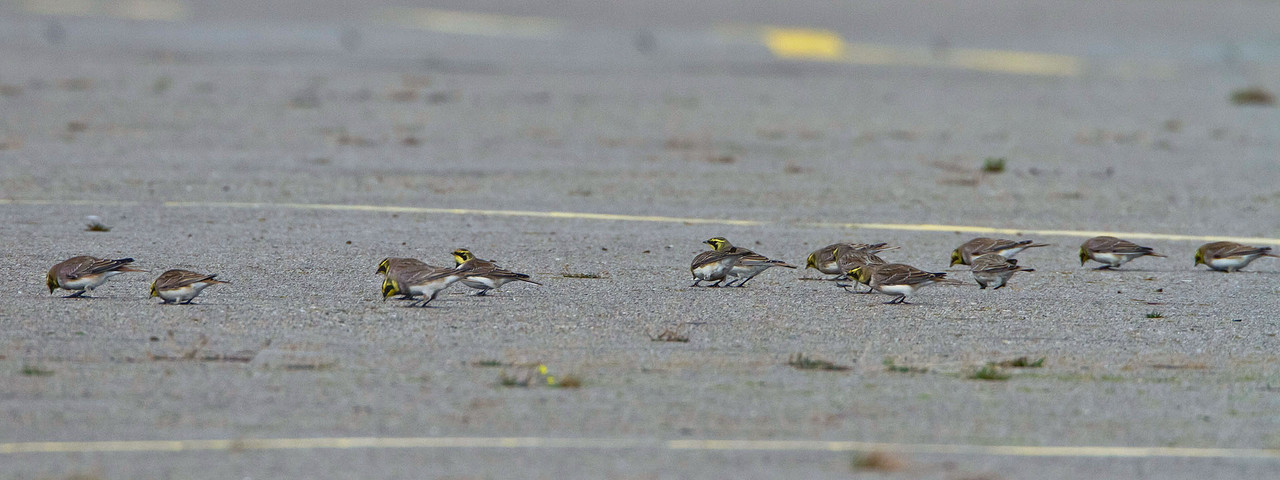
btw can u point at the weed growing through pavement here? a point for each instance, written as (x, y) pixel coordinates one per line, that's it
(1155, 314)
(803, 362)
(877, 462)
(539, 375)
(487, 363)
(669, 335)
(891, 366)
(990, 372)
(993, 165)
(1022, 362)
(34, 371)
(1252, 96)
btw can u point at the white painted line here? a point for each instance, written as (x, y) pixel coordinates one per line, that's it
(535, 443)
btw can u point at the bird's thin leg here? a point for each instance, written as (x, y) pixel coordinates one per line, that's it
(78, 294)
(695, 282)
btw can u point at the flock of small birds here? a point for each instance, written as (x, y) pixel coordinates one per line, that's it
(990, 261)
(407, 277)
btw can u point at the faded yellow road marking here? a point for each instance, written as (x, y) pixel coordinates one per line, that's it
(628, 443)
(168, 10)
(914, 227)
(469, 23)
(828, 46)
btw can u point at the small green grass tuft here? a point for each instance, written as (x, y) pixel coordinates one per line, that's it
(1022, 362)
(803, 362)
(1155, 314)
(993, 165)
(34, 371)
(487, 363)
(990, 372)
(580, 275)
(891, 366)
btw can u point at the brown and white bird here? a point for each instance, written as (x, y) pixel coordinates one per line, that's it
(826, 259)
(396, 267)
(994, 271)
(966, 252)
(1230, 256)
(851, 258)
(713, 265)
(897, 279)
(181, 286)
(483, 275)
(423, 280)
(749, 266)
(84, 273)
(1112, 252)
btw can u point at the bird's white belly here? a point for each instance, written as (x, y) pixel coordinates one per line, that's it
(483, 283)
(182, 294)
(1232, 263)
(89, 282)
(897, 289)
(710, 271)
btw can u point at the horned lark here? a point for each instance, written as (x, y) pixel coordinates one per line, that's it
(181, 286)
(1112, 252)
(426, 281)
(994, 271)
(1230, 256)
(84, 273)
(391, 264)
(851, 258)
(826, 259)
(713, 265)
(897, 279)
(964, 254)
(483, 275)
(751, 264)
(396, 267)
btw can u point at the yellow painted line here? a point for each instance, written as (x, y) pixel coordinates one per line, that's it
(168, 10)
(829, 46)
(469, 23)
(341, 443)
(914, 227)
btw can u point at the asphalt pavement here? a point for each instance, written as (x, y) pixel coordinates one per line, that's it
(290, 146)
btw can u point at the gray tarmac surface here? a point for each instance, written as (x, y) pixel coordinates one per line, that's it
(119, 118)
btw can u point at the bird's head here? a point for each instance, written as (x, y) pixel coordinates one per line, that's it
(719, 244)
(957, 257)
(811, 262)
(461, 255)
(861, 274)
(1084, 255)
(154, 292)
(1200, 257)
(390, 287)
(384, 266)
(51, 280)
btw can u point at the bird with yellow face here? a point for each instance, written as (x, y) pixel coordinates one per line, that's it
(424, 280)
(1230, 256)
(750, 265)
(484, 275)
(83, 273)
(966, 252)
(897, 279)
(1112, 252)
